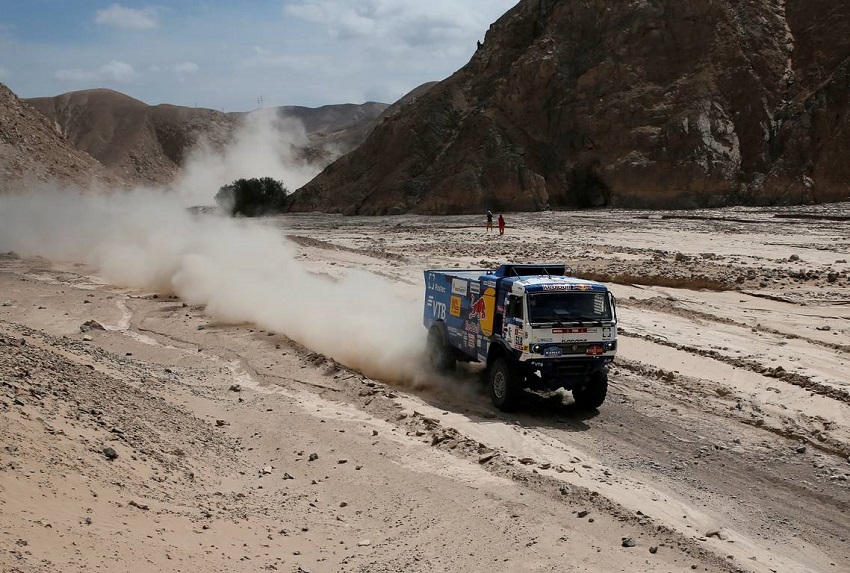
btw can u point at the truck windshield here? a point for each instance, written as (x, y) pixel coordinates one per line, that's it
(567, 307)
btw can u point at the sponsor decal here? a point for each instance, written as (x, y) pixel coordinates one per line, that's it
(471, 326)
(569, 330)
(439, 310)
(474, 289)
(459, 287)
(478, 310)
(552, 351)
(544, 340)
(489, 284)
(430, 302)
(455, 306)
(559, 286)
(593, 351)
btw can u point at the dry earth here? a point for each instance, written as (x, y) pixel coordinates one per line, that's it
(164, 442)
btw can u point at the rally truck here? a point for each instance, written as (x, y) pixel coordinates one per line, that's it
(532, 325)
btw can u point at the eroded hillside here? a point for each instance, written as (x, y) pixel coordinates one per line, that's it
(651, 103)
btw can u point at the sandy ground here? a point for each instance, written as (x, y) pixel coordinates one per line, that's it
(166, 442)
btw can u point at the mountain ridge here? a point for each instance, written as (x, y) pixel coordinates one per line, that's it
(643, 104)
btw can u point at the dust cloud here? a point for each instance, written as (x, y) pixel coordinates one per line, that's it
(264, 145)
(240, 270)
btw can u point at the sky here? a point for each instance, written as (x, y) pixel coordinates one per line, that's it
(226, 55)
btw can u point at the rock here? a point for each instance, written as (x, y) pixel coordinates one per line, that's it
(287, 476)
(653, 549)
(801, 449)
(364, 543)
(266, 470)
(824, 328)
(109, 453)
(313, 457)
(628, 542)
(235, 388)
(220, 423)
(342, 461)
(526, 461)
(583, 513)
(486, 457)
(564, 489)
(87, 338)
(91, 325)
(794, 258)
(142, 506)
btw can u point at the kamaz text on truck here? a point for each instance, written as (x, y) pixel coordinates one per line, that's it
(531, 325)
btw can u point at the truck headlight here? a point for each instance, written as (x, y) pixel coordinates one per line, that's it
(537, 349)
(610, 346)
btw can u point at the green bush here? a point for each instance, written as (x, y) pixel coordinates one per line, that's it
(252, 197)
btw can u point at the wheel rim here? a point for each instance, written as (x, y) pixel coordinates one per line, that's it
(500, 385)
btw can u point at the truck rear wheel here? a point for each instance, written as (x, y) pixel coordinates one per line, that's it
(503, 386)
(440, 354)
(591, 394)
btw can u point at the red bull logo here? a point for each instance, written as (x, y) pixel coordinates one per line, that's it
(478, 310)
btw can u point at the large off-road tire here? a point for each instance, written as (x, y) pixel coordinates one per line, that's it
(441, 356)
(503, 385)
(591, 394)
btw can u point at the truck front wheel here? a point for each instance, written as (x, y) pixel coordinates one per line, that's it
(503, 386)
(440, 354)
(591, 394)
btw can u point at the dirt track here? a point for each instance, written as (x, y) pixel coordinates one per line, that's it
(724, 441)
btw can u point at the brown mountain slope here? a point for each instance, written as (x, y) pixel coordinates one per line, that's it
(649, 103)
(148, 144)
(140, 142)
(30, 148)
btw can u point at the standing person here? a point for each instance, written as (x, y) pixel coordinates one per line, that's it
(501, 224)
(489, 221)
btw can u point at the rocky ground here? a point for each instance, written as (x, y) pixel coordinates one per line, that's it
(138, 434)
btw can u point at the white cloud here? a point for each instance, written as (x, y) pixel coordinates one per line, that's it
(410, 23)
(185, 68)
(121, 17)
(118, 71)
(263, 58)
(114, 70)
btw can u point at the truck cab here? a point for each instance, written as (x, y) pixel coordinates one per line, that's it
(533, 326)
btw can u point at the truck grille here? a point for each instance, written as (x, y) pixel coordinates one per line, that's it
(571, 368)
(576, 348)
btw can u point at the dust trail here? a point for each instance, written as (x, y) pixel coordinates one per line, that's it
(240, 270)
(264, 145)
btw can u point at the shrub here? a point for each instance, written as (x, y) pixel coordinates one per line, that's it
(252, 197)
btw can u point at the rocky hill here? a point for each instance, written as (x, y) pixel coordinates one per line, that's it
(147, 144)
(30, 149)
(649, 103)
